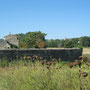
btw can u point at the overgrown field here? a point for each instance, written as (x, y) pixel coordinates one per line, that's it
(26, 75)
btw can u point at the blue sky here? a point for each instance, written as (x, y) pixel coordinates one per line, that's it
(57, 18)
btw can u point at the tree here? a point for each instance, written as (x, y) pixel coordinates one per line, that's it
(20, 36)
(33, 40)
(85, 41)
(53, 43)
(61, 43)
(68, 44)
(40, 43)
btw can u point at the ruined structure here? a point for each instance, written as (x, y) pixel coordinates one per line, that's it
(9, 41)
(4, 44)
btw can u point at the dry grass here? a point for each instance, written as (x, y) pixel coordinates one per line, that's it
(86, 50)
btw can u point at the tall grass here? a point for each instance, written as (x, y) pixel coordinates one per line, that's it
(22, 75)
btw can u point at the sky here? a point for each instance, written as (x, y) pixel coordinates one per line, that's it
(59, 19)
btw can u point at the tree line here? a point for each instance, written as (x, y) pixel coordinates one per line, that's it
(37, 40)
(69, 43)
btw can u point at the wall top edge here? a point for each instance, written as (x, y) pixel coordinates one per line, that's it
(44, 49)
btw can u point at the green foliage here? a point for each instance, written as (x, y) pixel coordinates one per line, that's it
(85, 41)
(37, 40)
(54, 43)
(19, 36)
(32, 40)
(68, 44)
(4, 63)
(81, 48)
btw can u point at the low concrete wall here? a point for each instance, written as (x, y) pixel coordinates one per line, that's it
(64, 54)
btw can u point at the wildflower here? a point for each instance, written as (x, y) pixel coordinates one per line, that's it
(70, 64)
(48, 67)
(43, 62)
(29, 57)
(84, 74)
(49, 63)
(77, 62)
(35, 57)
(84, 58)
(53, 60)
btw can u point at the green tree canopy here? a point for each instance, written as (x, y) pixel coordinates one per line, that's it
(33, 40)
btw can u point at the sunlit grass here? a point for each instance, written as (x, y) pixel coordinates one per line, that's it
(20, 75)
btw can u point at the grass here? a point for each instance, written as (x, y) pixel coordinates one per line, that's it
(19, 75)
(86, 50)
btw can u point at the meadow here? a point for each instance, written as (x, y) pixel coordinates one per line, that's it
(28, 75)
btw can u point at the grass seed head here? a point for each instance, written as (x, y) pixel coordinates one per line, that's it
(48, 67)
(43, 62)
(29, 57)
(35, 57)
(70, 64)
(84, 74)
(77, 62)
(49, 63)
(84, 58)
(53, 60)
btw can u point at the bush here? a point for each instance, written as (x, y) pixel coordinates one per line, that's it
(81, 48)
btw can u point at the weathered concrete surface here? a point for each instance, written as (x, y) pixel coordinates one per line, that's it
(64, 54)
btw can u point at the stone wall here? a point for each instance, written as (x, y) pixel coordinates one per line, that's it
(63, 54)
